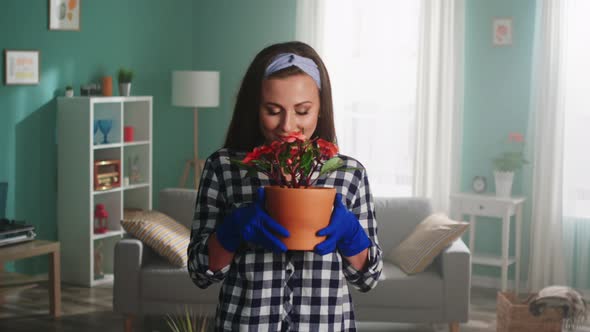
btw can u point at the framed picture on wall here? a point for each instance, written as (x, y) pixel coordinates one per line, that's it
(64, 15)
(21, 67)
(502, 31)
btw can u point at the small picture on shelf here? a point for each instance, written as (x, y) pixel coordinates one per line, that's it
(107, 174)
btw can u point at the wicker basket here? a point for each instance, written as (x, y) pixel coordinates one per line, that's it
(513, 316)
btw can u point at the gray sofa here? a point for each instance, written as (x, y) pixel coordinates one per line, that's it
(146, 284)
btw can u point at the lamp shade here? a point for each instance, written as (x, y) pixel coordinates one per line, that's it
(195, 88)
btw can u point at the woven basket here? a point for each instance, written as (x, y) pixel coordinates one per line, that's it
(513, 316)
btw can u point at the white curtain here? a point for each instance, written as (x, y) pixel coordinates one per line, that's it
(309, 23)
(439, 101)
(370, 48)
(547, 131)
(391, 64)
(576, 160)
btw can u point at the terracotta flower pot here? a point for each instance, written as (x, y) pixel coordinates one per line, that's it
(302, 211)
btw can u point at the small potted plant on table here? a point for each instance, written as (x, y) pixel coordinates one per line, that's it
(507, 163)
(125, 76)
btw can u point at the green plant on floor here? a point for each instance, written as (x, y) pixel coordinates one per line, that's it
(125, 75)
(188, 322)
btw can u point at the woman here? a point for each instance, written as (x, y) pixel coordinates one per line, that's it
(265, 287)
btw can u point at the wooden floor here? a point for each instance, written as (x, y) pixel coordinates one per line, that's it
(90, 309)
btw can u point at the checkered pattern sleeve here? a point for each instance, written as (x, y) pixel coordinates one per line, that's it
(363, 207)
(209, 209)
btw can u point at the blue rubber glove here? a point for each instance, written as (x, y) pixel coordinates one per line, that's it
(251, 224)
(344, 232)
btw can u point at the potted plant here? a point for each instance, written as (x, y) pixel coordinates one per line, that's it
(125, 76)
(293, 165)
(189, 322)
(507, 163)
(69, 91)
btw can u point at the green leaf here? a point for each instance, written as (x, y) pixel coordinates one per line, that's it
(172, 324)
(306, 161)
(510, 161)
(331, 165)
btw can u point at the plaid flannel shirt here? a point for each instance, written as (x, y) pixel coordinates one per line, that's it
(292, 291)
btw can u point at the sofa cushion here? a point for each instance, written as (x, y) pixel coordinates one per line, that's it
(162, 281)
(179, 204)
(428, 239)
(397, 218)
(397, 289)
(161, 233)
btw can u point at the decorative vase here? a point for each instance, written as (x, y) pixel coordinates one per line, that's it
(124, 89)
(128, 133)
(107, 86)
(302, 211)
(503, 182)
(69, 93)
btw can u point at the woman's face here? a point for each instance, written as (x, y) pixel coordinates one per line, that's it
(290, 104)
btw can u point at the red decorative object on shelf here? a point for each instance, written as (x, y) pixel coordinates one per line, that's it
(100, 217)
(128, 134)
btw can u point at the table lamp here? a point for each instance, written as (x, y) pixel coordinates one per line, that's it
(194, 89)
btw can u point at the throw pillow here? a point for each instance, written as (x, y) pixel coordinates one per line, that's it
(416, 252)
(164, 235)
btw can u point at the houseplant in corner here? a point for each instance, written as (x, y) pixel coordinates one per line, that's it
(125, 76)
(293, 165)
(507, 163)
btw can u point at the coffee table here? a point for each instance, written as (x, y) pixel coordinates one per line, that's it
(37, 248)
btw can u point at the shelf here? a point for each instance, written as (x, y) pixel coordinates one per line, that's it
(107, 234)
(102, 99)
(492, 260)
(112, 190)
(135, 186)
(108, 279)
(106, 146)
(136, 143)
(77, 196)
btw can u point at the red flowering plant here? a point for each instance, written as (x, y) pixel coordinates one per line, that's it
(292, 160)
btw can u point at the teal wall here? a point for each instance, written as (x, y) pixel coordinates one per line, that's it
(497, 92)
(228, 34)
(152, 37)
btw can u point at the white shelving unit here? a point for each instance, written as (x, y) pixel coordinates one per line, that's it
(78, 148)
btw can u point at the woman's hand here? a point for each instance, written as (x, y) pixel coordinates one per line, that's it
(344, 232)
(251, 224)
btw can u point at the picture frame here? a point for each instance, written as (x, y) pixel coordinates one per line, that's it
(64, 15)
(502, 31)
(22, 67)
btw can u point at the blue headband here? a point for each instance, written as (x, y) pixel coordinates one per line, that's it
(286, 60)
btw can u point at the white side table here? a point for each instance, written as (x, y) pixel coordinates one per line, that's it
(487, 205)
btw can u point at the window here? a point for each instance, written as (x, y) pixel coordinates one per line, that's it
(576, 167)
(371, 50)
